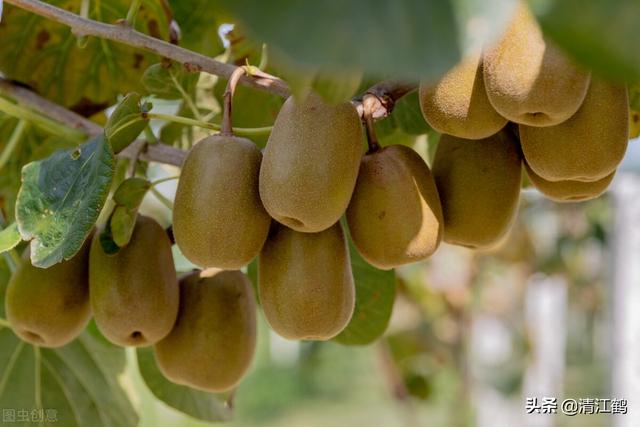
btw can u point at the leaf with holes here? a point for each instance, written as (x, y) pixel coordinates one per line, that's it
(61, 198)
(375, 295)
(196, 403)
(44, 54)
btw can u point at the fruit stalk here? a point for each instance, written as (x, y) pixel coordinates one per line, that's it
(369, 103)
(227, 129)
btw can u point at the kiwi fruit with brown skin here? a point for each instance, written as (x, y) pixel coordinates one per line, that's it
(311, 163)
(587, 147)
(458, 105)
(218, 219)
(569, 191)
(479, 186)
(50, 307)
(305, 283)
(134, 294)
(395, 215)
(528, 79)
(213, 341)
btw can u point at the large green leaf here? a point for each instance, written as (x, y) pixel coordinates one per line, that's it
(198, 404)
(407, 38)
(602, 34)
(375, 295)
(75, 385)
(61, 198)
(45, 55)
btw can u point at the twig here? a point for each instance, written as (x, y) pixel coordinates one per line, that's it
(127, 35)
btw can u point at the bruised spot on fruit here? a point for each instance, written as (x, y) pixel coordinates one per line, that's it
(42, 38)
(382, 214)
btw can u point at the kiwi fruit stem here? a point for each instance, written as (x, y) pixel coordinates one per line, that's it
(227, 129)
(372, 140)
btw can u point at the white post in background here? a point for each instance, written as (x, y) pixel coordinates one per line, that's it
(546, 320)
(624, 304)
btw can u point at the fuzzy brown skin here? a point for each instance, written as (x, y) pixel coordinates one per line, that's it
(305, 283)
(479, 187)
(458, 104)
(213, 341)
(50, 307)
(395, 216)
(218, 219)
(569, 191)
(134, 293)
(311, 163)
(528, 79)
(587, 147)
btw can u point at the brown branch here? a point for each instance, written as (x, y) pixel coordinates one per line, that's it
(124, 34)
(386, 94)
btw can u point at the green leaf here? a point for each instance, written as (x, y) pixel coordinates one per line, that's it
(602, 34)
(335, 88)
(196, 403)
(199, 21)
(75, 385)
(9, 237)
(407, 38)
(126, 122)
(375, 295)
(163, 80)
(45, 55)
(128, 198)
(61, 198)
(408, 116)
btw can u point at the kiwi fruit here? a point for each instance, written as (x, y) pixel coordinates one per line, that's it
(311, 162)
(134, 293)
(305, 283)
(50, 307)
(569, 191)
(213, 341)
(479, 186)
(395, 215)
(458, 104)
(587, 147)
(219, 220)
(528, 79)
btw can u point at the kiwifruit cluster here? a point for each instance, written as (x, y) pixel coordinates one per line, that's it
(520, 104)
(570, 127)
